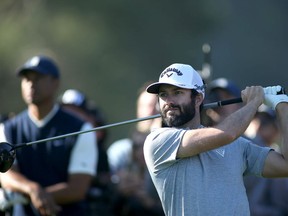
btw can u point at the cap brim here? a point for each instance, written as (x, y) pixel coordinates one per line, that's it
(21, 71)
(154, 87)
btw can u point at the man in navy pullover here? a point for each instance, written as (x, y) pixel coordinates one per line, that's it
(54, 175)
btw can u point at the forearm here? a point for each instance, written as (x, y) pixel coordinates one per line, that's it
(276, 164)
(15, 181)
(61, 193)
(282, 116)
(197, 141)
(72, 191)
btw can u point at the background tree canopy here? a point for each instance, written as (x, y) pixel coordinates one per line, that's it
(109, 49)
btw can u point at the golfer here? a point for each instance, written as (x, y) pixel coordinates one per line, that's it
(198, 170)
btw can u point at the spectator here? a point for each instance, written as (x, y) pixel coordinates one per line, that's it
(54, 175)
(218, 90)
(136, 194)
(99, 195)
(119, 152)
(135, 191)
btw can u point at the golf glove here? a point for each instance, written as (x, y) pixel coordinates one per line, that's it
(272, 96)
(273, 90)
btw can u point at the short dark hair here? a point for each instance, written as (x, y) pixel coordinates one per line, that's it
(195, 93)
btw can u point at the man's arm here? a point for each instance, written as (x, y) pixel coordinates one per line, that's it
(276, 164)
(204, 139)
(63, 193)
(73, 190)
(41, 200)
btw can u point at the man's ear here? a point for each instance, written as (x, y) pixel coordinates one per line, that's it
(199, 99)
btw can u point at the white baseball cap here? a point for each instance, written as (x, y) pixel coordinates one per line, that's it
(180, 75)
(74, 97)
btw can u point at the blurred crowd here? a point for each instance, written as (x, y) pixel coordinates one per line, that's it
(120, 184)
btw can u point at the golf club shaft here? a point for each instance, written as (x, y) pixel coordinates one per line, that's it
(87, 131)
(222, 103)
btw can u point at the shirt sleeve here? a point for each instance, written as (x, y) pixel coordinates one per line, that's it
(84, 157)
(255, 158)
(161, 146)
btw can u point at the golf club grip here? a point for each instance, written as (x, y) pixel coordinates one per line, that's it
(230, 101)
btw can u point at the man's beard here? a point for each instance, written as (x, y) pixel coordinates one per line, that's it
(187, 113)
